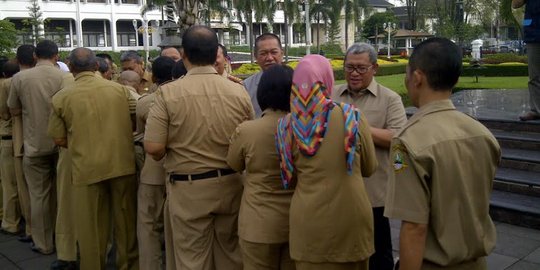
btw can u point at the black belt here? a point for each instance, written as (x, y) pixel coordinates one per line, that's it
(6, 137)
(200, 176)
(139, 143)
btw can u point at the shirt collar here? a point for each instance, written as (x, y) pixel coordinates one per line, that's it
(202, 70)
(372, 88)
(432, 107)
(44, 62)
(84, 74)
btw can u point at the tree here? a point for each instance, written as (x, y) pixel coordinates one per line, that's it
(334, 14)
(35, 21)
(412, 13)
(319, 11)
(373, 26)
(353, 12)
(291, 13)
(8, 38)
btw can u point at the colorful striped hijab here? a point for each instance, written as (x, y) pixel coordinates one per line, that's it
(313, 81)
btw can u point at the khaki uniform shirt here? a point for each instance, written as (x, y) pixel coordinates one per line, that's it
(152, 172)
(16, 122)
(331, 218)
(32, 90)
(5, 116)
(146, 80)
(383, 109)
(195, 117)
(444, 166)
(94, 116)
(264, 211)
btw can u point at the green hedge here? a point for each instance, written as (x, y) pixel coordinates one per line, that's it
(496, 71)
(115, 55)
(383, 70)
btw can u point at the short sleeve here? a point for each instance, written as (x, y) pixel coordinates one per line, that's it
(13, 97)
(408, 194)
(236, 153)
(366, 148)
(57, 127)
(395, 114)
(157, 123)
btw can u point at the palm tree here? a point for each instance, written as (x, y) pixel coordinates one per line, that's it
(291, 14)
(353, 11)
(320, 11)
(334, 14)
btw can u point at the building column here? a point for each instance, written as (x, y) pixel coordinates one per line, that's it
(112, 21)
(290, 33)
(78, 25)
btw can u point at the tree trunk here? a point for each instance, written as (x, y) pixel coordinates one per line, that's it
(318, 33)
(286, 39)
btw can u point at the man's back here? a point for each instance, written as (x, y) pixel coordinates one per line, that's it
(96, 114)
(201, 111)
(32, 91)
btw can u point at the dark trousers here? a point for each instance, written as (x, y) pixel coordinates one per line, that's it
(383, 258)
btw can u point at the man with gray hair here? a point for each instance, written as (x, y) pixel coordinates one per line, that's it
(103, 163)
(386, 115)
(131, 60)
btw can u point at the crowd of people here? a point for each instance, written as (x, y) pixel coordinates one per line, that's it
(183, 166)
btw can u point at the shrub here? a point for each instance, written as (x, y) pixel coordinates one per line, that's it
(504, 58)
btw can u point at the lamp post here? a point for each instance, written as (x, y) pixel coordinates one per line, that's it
(308, 29)
(134, 22)
(389, 27)
(145, 39)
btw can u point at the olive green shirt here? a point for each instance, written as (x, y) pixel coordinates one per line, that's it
(264, 211)
(94, 116)
(383, 109)
(195, 117)
(5, 116)
(444, 165)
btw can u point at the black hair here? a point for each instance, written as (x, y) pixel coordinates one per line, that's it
(200, 45)
(10, 68)
(82, 59)
(25, 55)
(46, 49)
(275, 88)
(105, 55)
(224, 50)
(162, 69)
(440, 59)
(3, 60)
(131, 55)
(266, 36)
(103, 66)
(179, 70)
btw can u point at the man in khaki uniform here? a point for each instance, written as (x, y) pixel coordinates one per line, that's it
(30, 95)
(191, 121)
(103, 163)
(172, 53)
(444, 165)
(386, 115)
(10, 198)
(131, 60)
(25, 59)
(151, 193)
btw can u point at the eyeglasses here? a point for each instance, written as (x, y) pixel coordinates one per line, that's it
(359, 69)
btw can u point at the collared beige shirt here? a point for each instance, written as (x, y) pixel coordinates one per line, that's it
(264, 212)
(383, 109)
(331, 218)
(32, 90)
(5, 116)
(94, 116)
(195, 117)
(444, 165)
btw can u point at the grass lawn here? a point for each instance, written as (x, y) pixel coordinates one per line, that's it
(396, 83)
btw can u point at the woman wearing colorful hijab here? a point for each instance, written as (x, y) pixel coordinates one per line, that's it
(263, 221)
(325, 148)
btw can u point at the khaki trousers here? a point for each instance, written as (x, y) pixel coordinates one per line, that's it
(204, 215)
(10, 198)
(150, 202)
(96, 204)
(266, 256)
(40, 175)
(22, 186)
(170, 263)
(66, 244)
(361, 265)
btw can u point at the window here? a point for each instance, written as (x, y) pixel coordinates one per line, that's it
(126, 39)
(95, 39)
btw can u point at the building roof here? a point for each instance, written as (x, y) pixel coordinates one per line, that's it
(379, 3)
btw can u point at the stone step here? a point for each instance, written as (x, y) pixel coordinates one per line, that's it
(518, 139)
(521, 155)
(517, 209)
(513, 125)
(517, 181)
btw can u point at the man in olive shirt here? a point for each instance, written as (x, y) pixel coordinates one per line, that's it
(91, 118)
(444, 164)
(30, 95)
(191, 121)
(131, 60)
(386, 115)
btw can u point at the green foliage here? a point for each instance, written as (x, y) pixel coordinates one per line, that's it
(499, 58)
(8, 38)
(36, 21)
(374, 24)
(490, 70)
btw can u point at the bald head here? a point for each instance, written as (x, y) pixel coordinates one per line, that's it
(199, 44)
(171, 52)
(130, 78)
(82, 59)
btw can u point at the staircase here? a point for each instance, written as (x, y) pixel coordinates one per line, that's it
(516, 190)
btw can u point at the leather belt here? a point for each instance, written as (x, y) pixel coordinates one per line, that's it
(200, 176)
(8, 137)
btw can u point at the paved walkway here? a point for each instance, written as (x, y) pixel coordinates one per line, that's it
(517, 248)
